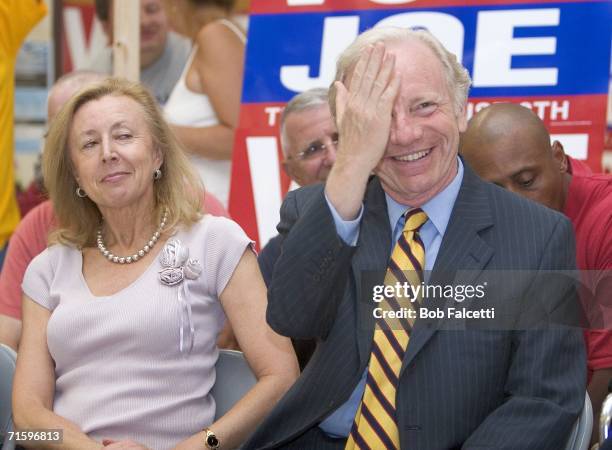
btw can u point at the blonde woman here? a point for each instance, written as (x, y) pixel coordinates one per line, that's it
(205, 103)
(121, 312)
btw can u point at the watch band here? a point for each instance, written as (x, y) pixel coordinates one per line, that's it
(210, 439)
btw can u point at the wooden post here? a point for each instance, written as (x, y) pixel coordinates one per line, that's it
(56, 36)
(126, 39)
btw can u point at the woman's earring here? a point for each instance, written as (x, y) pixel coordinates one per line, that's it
(157, 174)
(80, 192)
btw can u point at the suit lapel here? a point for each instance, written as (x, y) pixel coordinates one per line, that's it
(462, 248)
(370, 262)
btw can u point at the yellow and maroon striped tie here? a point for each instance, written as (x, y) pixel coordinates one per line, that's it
(375, 425)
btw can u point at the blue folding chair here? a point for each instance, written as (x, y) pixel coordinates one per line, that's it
(8, 357)
(234, 379)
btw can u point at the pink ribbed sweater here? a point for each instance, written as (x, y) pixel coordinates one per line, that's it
(119, 372)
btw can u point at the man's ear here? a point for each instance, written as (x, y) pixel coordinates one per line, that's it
(559, 156)
(286, 168)
(290, 172)
(462, 118)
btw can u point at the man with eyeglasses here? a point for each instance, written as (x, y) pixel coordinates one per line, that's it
(308, 139)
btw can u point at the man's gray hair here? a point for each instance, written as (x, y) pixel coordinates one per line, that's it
(457, 77)
(305, 100)
(77, 80)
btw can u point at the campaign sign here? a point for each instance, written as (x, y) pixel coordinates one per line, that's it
(551, 56)
(82, 35)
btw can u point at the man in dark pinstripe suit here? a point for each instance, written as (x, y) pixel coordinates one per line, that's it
(399, 100)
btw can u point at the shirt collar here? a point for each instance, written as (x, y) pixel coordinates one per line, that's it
(438, 208)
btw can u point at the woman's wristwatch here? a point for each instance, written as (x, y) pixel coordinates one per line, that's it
(210, 439)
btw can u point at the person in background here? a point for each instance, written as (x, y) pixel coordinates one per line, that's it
(163, 53)
(34, 194)
(144, 281)
(30, 236)
(397, 203)
(309, 138)
(204, 106)
(17, 18)
(63, 88)
(509, 145)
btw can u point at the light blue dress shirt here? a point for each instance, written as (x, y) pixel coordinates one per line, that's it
(438, 211)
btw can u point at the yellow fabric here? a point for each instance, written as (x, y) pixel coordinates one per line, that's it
(17, 18)
(372, 415)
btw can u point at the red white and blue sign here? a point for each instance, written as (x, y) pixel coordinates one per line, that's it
(551, 56)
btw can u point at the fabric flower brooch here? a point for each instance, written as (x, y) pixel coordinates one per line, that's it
(177, 266)
(174, 257)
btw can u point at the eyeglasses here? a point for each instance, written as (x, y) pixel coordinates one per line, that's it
(316, 149)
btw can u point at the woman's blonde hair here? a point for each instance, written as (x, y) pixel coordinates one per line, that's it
(178, 190)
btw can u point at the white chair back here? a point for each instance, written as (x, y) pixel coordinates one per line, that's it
(581, 433)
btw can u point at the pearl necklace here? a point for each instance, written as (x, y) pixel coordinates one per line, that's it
(140, 253)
